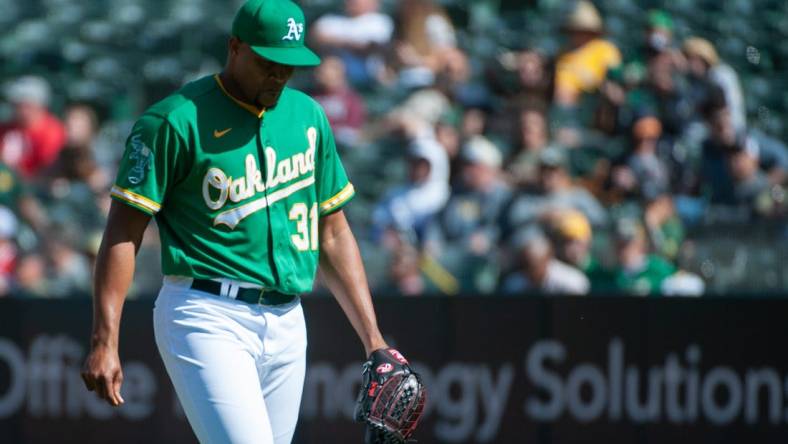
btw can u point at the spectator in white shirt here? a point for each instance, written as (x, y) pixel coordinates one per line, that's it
(410, 207)
(358, 37)
(539, 271)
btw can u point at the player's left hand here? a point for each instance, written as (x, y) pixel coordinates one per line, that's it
(102, 373)
(391, 400)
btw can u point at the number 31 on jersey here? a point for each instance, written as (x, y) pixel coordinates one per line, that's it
(306, 226)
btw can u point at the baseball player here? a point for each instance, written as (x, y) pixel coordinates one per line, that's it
(242, 176)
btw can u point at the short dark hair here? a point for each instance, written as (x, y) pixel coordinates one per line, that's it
(714, 102)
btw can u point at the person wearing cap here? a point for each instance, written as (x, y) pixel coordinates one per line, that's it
(539, 271)
(637, 271)
(703, 63)
(243, 178)
(658, 41)
(571, 235)
(555, 191)
(659, 34)
(409, 208)
(583, 67)
(716, 175)
(750, 185)
(644, 174)
(659, 38)
(469, 222)
(33, 139)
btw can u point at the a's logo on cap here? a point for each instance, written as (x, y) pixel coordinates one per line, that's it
(294, 30)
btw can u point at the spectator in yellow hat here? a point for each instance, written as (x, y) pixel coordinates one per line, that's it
(583, 67)
(571, 234)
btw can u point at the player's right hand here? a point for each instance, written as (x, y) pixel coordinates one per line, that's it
(102, 374)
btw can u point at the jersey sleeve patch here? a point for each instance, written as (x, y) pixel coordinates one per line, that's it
(136, 200)
(337, 200)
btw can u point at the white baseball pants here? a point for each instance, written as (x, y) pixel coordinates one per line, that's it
(238, 369)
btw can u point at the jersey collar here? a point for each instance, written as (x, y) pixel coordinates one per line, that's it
(251, 108)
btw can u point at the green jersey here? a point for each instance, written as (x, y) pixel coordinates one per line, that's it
(237, 192)
(648, 280)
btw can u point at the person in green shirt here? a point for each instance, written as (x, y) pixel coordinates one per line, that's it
(637, 272)
(243, 178)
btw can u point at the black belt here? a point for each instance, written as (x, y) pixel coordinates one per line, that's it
(262, 296)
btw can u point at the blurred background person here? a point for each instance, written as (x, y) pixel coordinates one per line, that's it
(539, 272)
(472, 212)
(750, 185)
(531, 136)
(18, 196)
(8, 249)
(768, 156)
(522, 77)
(583, 65)
(344, 107)
(76, 162)
(30, 276)
(659, 35)
(405, 275)
(555, 191)
(665, 95)
(425, 44)
(410, 207)
(704, 64)
(643, 173)
(465, 235)
(665, 228)
(572, 238)
(31, 141)
(358, 36)
(70, 272)
(637, 270)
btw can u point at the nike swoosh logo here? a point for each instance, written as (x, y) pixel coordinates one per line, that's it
(217, 134)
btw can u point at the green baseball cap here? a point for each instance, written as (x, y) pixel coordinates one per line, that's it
(659, 19)
(276, 30)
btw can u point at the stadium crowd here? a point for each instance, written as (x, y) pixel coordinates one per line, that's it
(512, 168)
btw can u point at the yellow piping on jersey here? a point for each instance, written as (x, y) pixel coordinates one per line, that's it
(136, 199)
(251, 108)
(337, 199)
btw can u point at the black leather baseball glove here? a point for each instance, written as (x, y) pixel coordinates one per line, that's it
(391, 400)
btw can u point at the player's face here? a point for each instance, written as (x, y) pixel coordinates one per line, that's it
(260, 79)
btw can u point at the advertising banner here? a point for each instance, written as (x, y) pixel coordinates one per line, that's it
(498, 370)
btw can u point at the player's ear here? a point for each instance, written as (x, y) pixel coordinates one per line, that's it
(234, 46)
